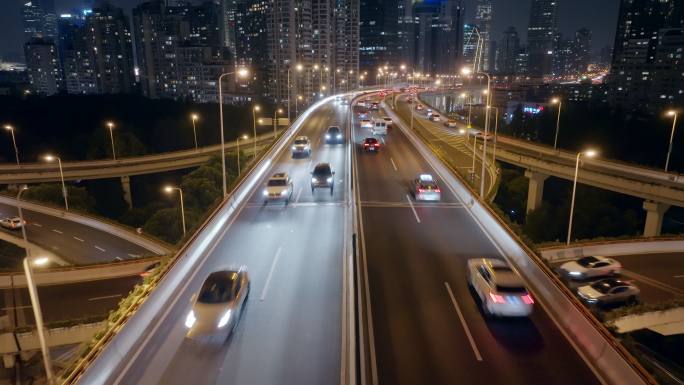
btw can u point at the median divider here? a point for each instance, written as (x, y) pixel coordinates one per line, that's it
(602, 352)
(125, 338)
(613, 248)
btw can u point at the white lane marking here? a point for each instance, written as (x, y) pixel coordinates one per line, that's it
(57, 231)
(99, 248)
(78, 239)
(299, 193)
(678, 276)
(382, 139)
(118, 259)
(104, 297)
(37, 224)
(413, 208)
(270, 274)
(463, 322)
(133, 255)
(394, 165)
(16, 307)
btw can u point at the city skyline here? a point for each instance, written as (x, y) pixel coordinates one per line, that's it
(517, 15)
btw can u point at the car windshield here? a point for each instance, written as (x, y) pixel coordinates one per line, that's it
(428, 186)
(300, 141)
(371, 140)
(605, 285)
(322, 170)
(586, 261)
(277, 182)
(333, 129)
(513, 289)
(218, 287)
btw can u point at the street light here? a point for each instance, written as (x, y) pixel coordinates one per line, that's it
(467, 71)
(275, 120)
(243, 73)
(672, 113)
(237, 143)
(588, 154)
(169, 190)
(33, 292)
(254, 111)
(51, 158)
(194, 118)
(14, 141)
(110, 125)
(560, 103)
(496, 131)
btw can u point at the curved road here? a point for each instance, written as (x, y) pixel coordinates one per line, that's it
(424, 316)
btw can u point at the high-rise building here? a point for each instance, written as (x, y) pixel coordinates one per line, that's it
(643, 28)
(562, 60)
(345, 49)
(581, 51)
(76, 54)
(42, 65)
(39, 20)
(668, 68)
(508, 50)
(252, 40)
(110, 40)
(387, 33)
(469, 44)
(483, 20)
(439, 36)
(541, 35)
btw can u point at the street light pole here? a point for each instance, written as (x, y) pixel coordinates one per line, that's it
(496, 130)
(254, 110)
(243, 73)
(50, 158)
(484, 139)
(33, 293)
(560, 103)
(669, 149)
(169, 189)
(237, 144)
(194, 130)
(589, 154)
(14, 141)
(111, 136)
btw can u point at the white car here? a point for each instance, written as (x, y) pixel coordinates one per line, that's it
(14, 223)
(591, 267)
(217, 308)
(435, 117)
(379, 127)
(500, 289)
(278, 188)
(609, 291)
(301, 146)
(388, 121)
(366, 123)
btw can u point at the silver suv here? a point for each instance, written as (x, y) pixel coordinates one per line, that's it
(301, 146)
(323, 176)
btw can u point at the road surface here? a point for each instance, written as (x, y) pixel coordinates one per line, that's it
(428, 328)
(290, 332)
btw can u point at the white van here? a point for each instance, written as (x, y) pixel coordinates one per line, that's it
(379, 127)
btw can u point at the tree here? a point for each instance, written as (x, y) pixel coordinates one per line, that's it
(51, 193)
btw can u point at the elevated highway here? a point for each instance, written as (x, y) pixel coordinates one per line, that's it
(659, 189)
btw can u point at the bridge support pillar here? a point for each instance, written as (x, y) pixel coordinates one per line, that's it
(535, 191)
(126, 187)
(654, 217)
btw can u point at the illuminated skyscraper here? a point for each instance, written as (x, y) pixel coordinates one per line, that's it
(541, 35)
(483, 20)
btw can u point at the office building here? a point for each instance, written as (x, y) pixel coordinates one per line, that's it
(76, 54)
(581, 51)
(541, 36)
(439, 37)
(508, 50)
(39, 20)
(252, 40)
(483, 20)
(43, 67)
(470, 43)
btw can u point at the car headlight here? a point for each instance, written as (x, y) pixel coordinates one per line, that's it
(307, 147)
(265, 193)
(329, 180)
(190, 319)
(224, 319)
(294, 147)
(339, 136)
(314, 180)
(327, 136)
(575, 273)
(283, 193)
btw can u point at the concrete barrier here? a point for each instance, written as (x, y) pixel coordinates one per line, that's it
(593, 342)
(612, 248)
(153, 245)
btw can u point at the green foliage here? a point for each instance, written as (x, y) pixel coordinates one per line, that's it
(644, 308)
(51, 193)
(126, 144)
(137, 216)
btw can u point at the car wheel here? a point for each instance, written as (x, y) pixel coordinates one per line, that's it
(632, 300)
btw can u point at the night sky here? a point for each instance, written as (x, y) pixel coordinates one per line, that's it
(598, 15)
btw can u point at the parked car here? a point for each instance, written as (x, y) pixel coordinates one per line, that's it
(609, 291)
(591, 267)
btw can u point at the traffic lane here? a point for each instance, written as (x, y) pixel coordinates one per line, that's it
(67, 302)
(289, 324)
(76, 243)
(254, 240)
(666, 268)
(409, 273)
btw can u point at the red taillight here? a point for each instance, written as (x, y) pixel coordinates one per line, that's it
(527, 299)
(376, 145)
(438, 190)
(365, 145)
(497, 298)
(420, 190)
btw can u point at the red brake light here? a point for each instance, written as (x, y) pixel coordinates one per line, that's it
(438, 190)
(497, 298)
(527, 299)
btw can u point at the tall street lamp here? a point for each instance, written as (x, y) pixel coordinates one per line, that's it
(169, 190)
(237, 144)
(194, 118)
(672, 113)
(467, 71)
(243, 73)
(14, 141)
(496, 130)
(51, 158)
(33, 292)
(588, 154)
(110, 125)
(560, 103)
(255, 109)
(275, 120)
